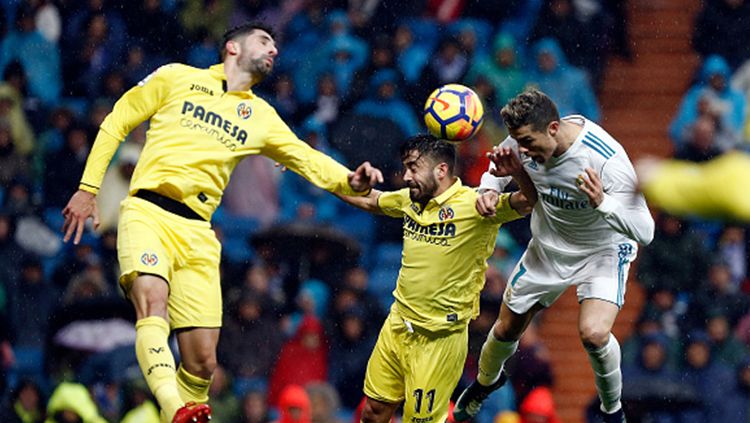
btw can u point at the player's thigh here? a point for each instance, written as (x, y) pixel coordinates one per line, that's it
(195, 289)
(604, 275)
(435, 366)
(384, 378)
(142, 244)
(534, 281)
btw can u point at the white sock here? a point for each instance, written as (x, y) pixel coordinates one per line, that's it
(605, 362)
(493, 357)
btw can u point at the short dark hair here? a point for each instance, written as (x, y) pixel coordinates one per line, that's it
(531, 107)
(432, 147)
(242, 30)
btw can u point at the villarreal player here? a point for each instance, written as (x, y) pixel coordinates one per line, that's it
(202, 123)
(422, 346)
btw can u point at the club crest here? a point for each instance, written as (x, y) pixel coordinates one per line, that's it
(244, 111)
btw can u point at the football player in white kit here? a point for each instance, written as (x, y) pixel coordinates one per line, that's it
(585, 226)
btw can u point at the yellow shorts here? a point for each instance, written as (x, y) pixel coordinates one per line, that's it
(418, 367)
(185, 252)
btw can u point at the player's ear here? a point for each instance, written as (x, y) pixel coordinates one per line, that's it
(441, 170)
(232, 47)
(553, 127)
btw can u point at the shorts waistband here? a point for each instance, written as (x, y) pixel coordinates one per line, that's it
(168, 204)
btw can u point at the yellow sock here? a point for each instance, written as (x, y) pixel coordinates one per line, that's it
(192, 387)
(157, 363)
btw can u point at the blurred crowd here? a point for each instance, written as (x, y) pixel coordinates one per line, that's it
(307, 279)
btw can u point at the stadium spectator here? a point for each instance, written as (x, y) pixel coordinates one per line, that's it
(299, 200)
(294, 405)
(711, 96)
(31, 301)
(588, 49)
(712, 381)
(539, 406)
(41, 69)
(725, 347)
(324, 402)
(12, 113)
(701, 141)
(303, 359)
(64, 167)
(206, 15)
(567, 85)
(503, 68)
(251, 339)
(384, 101)
(676, 260)
(25, 404)
(732, 249)
(12, 164)
(71, 402)
(717, 293)
(351, 344)
(254, 408)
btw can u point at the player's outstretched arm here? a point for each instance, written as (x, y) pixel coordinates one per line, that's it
(365, 177)
(368, 203)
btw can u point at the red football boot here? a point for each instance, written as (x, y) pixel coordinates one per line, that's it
(193, 413)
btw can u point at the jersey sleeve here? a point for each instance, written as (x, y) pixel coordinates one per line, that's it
(283, 146)
(497, 183)
(392, 203)
(134, 107)
(624, 208)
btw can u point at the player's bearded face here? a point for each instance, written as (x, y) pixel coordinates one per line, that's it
(257, 55)
(420, 178)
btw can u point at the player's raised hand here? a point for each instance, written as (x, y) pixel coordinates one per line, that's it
(365, 177)
(507, 162)
(487, 203)
(591, 185)
(81, 206)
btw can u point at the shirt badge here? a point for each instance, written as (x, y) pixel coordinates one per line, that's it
(244, 111)
(446, 213)
(149, 259)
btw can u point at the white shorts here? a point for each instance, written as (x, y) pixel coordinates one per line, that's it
(542, 275)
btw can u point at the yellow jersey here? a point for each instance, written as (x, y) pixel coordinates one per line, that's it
(444, 259)
(719, 188)
(197, 134)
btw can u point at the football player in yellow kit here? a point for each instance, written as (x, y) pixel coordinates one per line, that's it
(422, 345)
(202, 123)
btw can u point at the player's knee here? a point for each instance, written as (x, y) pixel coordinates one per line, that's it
(505, 333)
(593, 336)
(201, 365)
(150, 300)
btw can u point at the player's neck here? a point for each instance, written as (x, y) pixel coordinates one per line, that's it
(566, 136)
(445, 184)
(236, 79)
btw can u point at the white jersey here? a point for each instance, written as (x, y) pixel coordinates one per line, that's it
(562, 219)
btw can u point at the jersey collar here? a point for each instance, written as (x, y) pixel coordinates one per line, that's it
(217, 72)
(450, 192)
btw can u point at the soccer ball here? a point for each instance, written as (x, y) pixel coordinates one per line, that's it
(453, 112)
